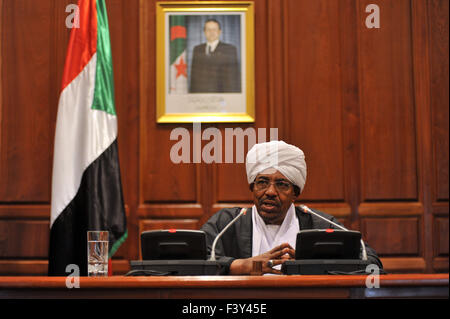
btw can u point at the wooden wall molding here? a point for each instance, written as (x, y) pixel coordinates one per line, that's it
(424, 45)
(390, 209)
(438, 64)
(440, 209)
(25, 211)
(348, 24)
(407, 240)
(387, 105)
(278, 66)
(24, 239)
(315, 109)
(339, 210)
(170, 210)
(21, 267)
(440, 231)
(440, 264)
(422, 79)
(410, 265)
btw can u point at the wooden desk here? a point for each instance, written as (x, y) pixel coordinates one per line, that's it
(228, 287)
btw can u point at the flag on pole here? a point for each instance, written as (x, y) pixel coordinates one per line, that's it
(178, 65)
(86, 183)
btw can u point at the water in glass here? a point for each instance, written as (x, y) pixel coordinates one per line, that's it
(97, 258)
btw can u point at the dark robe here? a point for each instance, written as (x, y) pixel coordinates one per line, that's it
(236, 242)
(217, 72)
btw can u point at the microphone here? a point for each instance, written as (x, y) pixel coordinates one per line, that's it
(213, 248)
(306, 209)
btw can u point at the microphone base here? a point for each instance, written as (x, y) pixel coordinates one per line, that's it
(176, 267)
(324, 266)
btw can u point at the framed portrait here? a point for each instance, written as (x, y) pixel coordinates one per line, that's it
(205, 62)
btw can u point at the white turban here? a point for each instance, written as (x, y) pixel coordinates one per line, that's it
(288, 159)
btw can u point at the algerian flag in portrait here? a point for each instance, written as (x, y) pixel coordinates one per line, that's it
(178, 65)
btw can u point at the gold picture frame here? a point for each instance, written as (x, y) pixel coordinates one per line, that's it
(198, 84)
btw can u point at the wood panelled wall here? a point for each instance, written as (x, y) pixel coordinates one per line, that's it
(369, 107)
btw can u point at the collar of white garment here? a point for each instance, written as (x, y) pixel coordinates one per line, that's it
(266, 237)
(213, 45)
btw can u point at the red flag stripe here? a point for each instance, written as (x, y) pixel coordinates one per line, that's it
(82, 43)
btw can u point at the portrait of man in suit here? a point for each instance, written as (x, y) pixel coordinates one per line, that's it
(215, 66)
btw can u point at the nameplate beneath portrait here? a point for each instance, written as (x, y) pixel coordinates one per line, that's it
(205, 103)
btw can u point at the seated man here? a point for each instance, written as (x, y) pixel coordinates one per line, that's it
(276, 173)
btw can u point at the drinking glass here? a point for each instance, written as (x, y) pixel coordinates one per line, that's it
(97, 251)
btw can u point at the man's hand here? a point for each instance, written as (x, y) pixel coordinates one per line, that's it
(278, 255)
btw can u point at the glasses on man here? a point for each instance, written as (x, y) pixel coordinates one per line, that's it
(281, 186)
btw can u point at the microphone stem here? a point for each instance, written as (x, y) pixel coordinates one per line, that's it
(305, 208)
(213, 248)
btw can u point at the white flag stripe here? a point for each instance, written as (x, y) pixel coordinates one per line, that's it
(82, 135)
(178, 85)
